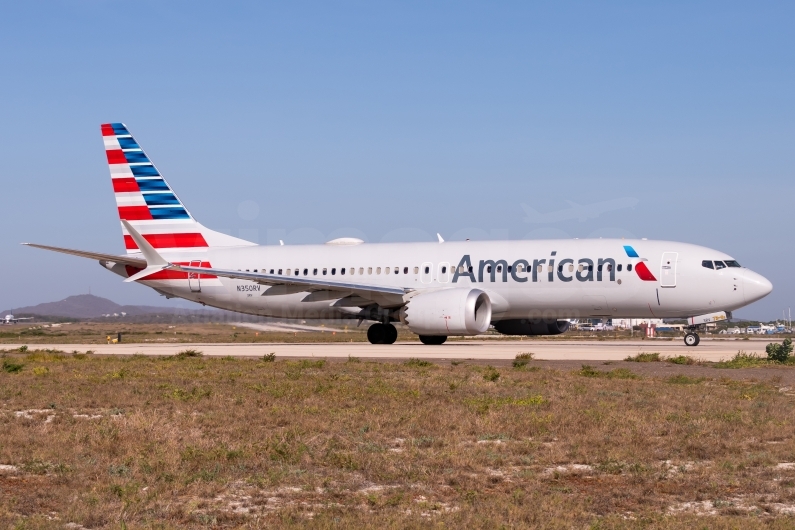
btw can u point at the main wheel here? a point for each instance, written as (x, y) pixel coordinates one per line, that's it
(390, 334)
(432, 340)
(377, 334)
(692, 339)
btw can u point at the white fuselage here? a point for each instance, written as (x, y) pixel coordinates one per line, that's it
(681, 285)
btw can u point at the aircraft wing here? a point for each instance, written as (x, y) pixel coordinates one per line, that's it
(301, 283)
(126, 260)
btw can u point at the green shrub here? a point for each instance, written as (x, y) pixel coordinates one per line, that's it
(681, 359)
(645, 358)
(269, 357)
(11, 367)
(522, 359)
(23, 349)
(184, 354)
(779, 352)
(491, 374)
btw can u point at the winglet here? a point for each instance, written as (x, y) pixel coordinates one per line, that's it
(154, 261)
(440, 237)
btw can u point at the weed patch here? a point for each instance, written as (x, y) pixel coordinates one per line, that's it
(491, 374)
(618, 373)
(187, 354)
(418, 363)
(645, 358)
(11, 367)
(742, 360)
(779, 353)
(269, 357)
(684, 380)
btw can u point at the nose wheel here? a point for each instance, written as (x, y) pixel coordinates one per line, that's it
(382, 334)
(692, 339)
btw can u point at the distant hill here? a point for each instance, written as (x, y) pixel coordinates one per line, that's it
(85, 306)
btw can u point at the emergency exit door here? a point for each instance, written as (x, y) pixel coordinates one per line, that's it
(668, 269)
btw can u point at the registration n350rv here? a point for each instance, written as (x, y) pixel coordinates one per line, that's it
(436, 290)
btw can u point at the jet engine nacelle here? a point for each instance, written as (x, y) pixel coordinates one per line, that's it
(525, 326)
(448, 312)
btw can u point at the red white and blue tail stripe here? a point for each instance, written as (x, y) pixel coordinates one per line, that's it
(145, 199)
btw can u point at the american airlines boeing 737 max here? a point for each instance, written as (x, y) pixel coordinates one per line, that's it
(436, 289)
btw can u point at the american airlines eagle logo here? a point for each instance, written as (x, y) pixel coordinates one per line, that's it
(640, 267)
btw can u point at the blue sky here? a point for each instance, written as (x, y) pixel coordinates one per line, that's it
(393, 121)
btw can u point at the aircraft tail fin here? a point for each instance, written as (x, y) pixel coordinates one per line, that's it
(147, 202)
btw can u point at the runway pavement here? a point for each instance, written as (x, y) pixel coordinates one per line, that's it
(708, 350)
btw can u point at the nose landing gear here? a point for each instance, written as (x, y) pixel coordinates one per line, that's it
(382, 334)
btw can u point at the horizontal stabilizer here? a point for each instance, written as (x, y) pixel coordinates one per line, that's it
(124, 260)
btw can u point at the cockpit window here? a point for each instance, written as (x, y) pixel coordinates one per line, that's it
(707, 264)
(720, 265)
(732, 263)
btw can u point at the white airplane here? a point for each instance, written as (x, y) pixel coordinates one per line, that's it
(9, 319)
(437, 289)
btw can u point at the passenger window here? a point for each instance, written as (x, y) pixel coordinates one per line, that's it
(405, 270)
(280, 271)
(444, 270)
(378, 270)
(416, 270)
(599, 268)
(720, 265)
(255, 270)
(325, 271)
(314, 272)
(288, 271)
(510, 268)
(560, 268)
(397, 270)
(470, 269)
(333, 271)
(361, 270)
(353, 270)
(488, 269)
(550, 268)
(519, 268)
(629, 267)
(297, 272)
(499, 268)
(732, 263)
(581, 267)
(618, 267)
(707, 264)
(342, 270)
(540, 268)
(427, 270)
(271, 271)
(590, 268)
(609, 267)
(386, 270)
(369, 270)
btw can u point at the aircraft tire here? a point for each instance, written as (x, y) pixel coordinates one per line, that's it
(433, 340)
(377, 334)
(692, 339)
(390, 335)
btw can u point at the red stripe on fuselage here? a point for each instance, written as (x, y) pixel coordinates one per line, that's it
(644, 273)
(123, 185)
(134, 213)
(169, 241)
(173, 275)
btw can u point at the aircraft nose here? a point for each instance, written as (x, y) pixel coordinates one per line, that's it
(755, 286)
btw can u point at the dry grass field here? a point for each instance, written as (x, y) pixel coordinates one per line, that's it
(194, 442)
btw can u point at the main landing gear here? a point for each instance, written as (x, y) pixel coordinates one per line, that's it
(382, 334)
(432, 340)
(692, 339)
